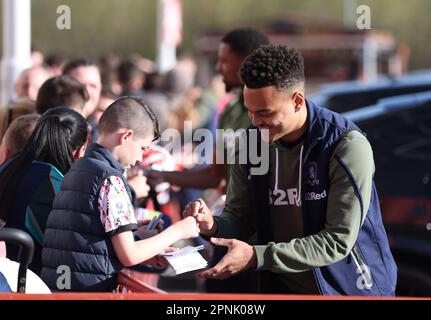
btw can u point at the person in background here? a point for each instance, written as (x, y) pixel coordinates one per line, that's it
(234, 47)
(56, 61)
(87, 72)
(107, 97)
(16, 136)
(131, 79)
(29, 82)
(62, 91)
(14, 110)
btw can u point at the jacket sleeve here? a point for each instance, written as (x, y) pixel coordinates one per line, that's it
(351, 172)
(237, 219)
(40, 205)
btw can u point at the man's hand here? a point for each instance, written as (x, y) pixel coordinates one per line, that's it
(203, 216)
(239, 257)
(155, 178)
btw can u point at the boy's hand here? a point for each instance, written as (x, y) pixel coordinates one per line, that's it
(155, 178)
(203, 216)
(187, 228)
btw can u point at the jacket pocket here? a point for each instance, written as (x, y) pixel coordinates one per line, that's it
(365, 279)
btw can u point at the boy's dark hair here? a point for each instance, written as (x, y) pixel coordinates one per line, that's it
(20, 131)
(63, 91)
(131, 113)
(273, 65)
(77, 63)
(128, 71)
(57, 135)
(244, 40)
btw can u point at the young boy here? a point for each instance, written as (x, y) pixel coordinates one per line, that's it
(90, 228)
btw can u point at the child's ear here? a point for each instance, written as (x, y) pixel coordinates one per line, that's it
(4, 154)
(126, 136)
(80, 152)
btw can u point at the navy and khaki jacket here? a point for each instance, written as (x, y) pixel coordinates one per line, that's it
(74, 235)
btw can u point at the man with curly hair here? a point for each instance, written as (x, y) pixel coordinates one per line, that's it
(316, 210)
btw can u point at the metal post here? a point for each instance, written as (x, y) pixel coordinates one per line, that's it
(349, 13)
(168, 26)
(16, 45)
(370, 63)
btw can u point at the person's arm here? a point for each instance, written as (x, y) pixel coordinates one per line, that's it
(200, 178)
(343, 219)
(118, 219)
(237, 219)
(131, 252)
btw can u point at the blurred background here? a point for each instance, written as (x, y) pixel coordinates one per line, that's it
(124, 27)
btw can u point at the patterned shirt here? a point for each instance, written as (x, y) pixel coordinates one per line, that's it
(116, 211)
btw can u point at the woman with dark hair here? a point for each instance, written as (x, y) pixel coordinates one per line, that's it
(30, 181)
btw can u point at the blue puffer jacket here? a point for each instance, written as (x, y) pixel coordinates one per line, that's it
(74, 236)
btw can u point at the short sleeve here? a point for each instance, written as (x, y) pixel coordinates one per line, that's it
(116, 211)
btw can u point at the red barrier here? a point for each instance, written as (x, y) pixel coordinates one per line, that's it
(142, 286)
(135, 281)
(179, 296)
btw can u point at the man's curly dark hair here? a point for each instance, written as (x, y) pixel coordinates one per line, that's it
(273, 65)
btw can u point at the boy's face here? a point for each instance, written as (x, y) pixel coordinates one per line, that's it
(132, 148)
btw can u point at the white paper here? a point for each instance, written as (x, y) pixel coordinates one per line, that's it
(186, 259)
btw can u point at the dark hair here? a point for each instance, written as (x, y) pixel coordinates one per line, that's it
(244, 40)
(58, 133)
(128, 71)
(15, 109)
(56, 59)
(272, 65)
(131, 113)
(63, 91)
(77, 63)
(154, 81)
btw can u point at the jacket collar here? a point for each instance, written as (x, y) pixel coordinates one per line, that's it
(315, 130)
(99, 152)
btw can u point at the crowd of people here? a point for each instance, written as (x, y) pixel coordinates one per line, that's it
(73, 174)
